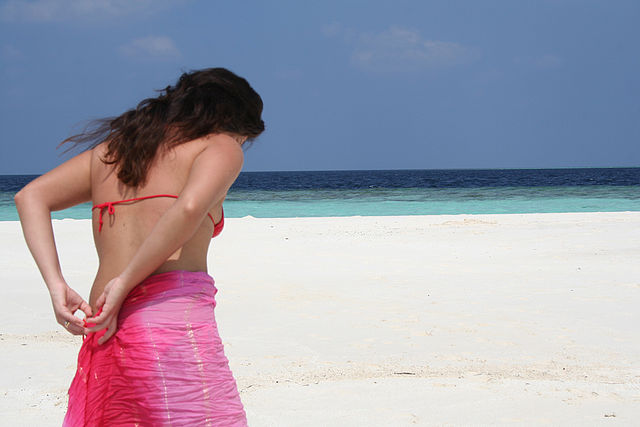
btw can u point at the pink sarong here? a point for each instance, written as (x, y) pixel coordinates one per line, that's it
(164, 366)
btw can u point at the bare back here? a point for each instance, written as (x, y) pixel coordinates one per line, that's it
(129, 226)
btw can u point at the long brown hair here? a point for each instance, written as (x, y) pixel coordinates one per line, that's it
(202, 102)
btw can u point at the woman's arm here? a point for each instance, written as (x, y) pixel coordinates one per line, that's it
(67, 185)
(212, 173)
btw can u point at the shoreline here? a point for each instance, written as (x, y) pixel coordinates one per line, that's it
(387, 216)
(461, 319)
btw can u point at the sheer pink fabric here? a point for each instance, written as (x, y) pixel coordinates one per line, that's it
(164, 366)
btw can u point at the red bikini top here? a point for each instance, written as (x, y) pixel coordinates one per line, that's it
(217, 228)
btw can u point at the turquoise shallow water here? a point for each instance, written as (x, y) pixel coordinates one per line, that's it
(404, 201)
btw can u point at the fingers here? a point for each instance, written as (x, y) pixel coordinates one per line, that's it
(112, 327)
(73, 324)
(99, 325)
(75, 329)
(67, 316)
(85, 308)
(101, 300)
(109, 333)
(111, 324)
(100, 318)
(103, 310)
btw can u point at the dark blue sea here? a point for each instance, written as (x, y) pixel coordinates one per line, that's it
(407, 192)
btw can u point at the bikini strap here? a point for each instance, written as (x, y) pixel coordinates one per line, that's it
(111, 211)
(217, 228)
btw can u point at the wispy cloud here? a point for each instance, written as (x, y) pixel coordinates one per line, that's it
(152, 47)
(69, 10)
(400, 49)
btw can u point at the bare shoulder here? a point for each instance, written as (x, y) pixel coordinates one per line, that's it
(99, 151)
(222, 148)
(213, 171)
(222, 142)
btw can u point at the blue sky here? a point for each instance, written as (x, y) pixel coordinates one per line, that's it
(346, 84)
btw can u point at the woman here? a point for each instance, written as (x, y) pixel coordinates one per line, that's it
(157, 176)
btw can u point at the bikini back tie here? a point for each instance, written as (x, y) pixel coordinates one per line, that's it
(217, 228)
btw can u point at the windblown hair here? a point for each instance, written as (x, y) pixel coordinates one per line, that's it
(202, 102)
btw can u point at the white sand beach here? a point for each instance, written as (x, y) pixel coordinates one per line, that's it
(381, 321)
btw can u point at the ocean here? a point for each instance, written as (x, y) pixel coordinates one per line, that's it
(406, 192)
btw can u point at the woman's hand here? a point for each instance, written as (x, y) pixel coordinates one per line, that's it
(109, 303)
(65, 302)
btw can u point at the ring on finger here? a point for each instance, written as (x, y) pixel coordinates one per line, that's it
(66, 324)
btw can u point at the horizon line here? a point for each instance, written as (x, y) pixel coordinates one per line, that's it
(405, 169)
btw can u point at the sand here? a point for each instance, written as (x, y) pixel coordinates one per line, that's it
(381, 321)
